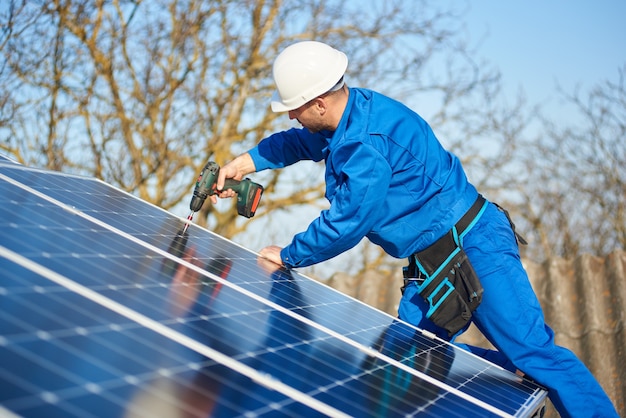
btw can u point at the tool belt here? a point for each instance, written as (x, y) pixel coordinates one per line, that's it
(445, 277)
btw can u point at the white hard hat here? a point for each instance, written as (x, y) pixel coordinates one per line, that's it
(304, 71)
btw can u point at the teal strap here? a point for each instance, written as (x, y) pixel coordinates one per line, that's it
(476, 218)
(436, 272)
(433, 307)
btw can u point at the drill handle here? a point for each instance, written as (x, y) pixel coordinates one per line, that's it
(232, 184)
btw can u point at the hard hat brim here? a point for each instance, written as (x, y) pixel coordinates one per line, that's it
(277, 105)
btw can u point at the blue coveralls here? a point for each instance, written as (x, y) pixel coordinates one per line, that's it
(389, 179)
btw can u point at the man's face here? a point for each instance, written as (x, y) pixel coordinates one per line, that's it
(309, 116)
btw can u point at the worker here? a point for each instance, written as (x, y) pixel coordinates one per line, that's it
(389, 179)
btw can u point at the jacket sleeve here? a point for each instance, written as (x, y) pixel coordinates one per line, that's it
(285, 148)
(363, 178)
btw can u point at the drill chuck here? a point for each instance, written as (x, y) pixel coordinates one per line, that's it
(197, 202)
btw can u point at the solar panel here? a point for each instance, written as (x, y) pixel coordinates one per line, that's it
(107, 309)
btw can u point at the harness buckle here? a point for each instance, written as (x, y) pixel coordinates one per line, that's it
(411, 273)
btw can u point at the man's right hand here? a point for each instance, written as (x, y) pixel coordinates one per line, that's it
(236, 169)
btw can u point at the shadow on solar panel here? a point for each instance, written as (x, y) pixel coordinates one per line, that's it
(109, 309)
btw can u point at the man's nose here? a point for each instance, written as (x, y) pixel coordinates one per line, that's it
(292, 115)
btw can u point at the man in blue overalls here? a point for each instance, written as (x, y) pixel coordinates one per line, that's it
(389, 179)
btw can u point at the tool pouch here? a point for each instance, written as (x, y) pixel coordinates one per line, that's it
(446, 281)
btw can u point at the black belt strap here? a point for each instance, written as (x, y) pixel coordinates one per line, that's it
(520, 239)
(469, 216)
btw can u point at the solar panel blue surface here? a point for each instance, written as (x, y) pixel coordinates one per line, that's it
(106, 310)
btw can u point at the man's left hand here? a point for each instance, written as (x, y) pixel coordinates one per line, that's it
(272, 253)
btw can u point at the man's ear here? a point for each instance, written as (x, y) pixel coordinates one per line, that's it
(321, 105)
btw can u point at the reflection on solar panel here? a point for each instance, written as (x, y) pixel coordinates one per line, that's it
(106, 310)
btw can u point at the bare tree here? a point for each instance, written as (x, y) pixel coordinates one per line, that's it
(575, 198)
(141, 94)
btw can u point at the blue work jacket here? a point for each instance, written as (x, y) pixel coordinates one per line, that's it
(387, 178)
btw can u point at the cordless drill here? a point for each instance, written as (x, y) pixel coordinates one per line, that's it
(248, 192)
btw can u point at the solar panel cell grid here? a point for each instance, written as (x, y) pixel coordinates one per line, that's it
(107, 311)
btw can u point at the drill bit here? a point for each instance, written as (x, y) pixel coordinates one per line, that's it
(189, 219)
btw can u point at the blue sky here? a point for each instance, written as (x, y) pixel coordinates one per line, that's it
(536, 44)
